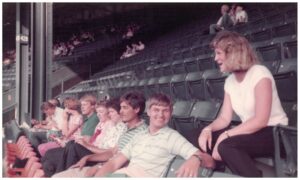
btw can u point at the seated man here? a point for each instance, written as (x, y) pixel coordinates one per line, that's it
(223, 23)
(132, 107)
(151, 151)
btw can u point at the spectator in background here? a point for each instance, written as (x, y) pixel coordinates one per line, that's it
(232, 12)
(223, 23)
(241, 15)
(140, 46)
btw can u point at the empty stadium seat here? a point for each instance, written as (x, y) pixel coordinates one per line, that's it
(178, 67)
(290, 49)
(284, 30)
(195, 85)
(178, 87)
(270, 56)
(151, 86)
(202, 114)
(286, 165)
(262, 35)
(191, 65)
(286, 84)
(164, 85)
(214, 85)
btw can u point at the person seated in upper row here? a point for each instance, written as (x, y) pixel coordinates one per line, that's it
(241, 15)
(224, 21)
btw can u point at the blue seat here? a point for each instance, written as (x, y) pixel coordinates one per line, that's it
(286, 84)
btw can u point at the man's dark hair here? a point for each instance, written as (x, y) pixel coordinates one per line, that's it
(135, 99)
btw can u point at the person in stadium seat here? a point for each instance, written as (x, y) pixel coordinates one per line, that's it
(72, 122)
(241, 15)
(250, 92)
(53, 122)
(150, 153)
(132, 106)
(223, 23)
(90, 121)
(104, 138)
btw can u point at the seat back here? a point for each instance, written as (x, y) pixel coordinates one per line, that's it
(178, 87)
(195, 85)
(287, 166)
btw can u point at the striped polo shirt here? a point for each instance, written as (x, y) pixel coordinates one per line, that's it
(153, 153)
(130, 133)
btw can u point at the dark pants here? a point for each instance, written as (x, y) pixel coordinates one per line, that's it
(37, 138)
(238, 151)
(75, 153)
(51, 159)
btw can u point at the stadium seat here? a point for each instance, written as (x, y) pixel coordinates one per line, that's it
(286, 157)
(178, 87)
(290, 49)
(191, 65)
(284, 30)
(178, 161)
(270, 56)
(206, 62)
(286, 84)
(262, 35)
(287, 65)
(151, 86)
(164, 85)
(214, 90)
(195, 85)
(141, 85)
(178, 67)
(275, 19)
(148, 73)
(202, 113)
(166, 69)
(214, 86)
(259, 24)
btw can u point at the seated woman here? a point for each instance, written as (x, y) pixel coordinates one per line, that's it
(250, 92)
(71, 127)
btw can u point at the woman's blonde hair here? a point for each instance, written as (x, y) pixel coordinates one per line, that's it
(238, 51)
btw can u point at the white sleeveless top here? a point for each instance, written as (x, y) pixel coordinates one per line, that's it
(242, 95)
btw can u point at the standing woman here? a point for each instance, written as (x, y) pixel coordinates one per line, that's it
(251, 93)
